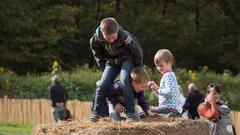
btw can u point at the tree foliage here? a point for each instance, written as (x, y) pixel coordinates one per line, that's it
(35, 33)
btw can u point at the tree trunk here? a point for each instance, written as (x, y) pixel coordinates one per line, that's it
(196, 20)
(164, 8)
(117, 9)
(98, 9)
(238, 36)
(237, 4)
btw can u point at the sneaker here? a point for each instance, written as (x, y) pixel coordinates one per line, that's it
(132, 117)
(173, 115)
(94, 118)
(122, 119)
(143, 115)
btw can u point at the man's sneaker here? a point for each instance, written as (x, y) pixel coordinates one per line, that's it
(94, 118)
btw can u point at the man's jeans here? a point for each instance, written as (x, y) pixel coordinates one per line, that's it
(57, 113)
(116, 116)
(108, 76)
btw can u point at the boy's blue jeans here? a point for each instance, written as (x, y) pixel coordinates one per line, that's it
(108, 76)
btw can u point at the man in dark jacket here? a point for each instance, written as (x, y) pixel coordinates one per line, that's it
(194, 98)
(115, 51)
(59, 96)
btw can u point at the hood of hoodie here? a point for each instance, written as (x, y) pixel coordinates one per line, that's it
(99, 34)
(223, 108)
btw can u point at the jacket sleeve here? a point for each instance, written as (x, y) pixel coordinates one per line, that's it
(98, 53)
(113, 93)
(134, 46)
(187, 103)
(142, 102)
(113, 100)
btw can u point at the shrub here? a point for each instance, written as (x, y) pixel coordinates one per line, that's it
(81, 84)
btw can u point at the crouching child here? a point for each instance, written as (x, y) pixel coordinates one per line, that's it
(116, 101)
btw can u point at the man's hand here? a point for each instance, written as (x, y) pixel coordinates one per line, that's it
(153, 86)
(150, 113)
(118, 108)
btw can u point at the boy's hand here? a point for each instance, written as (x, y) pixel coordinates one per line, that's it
(150, 113)
(118, 108)
(153, 86)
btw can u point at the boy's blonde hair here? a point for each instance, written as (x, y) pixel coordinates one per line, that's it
(139, 75)
(109, 26)
(163, 55)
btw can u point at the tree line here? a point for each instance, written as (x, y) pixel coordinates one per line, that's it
(34, 33)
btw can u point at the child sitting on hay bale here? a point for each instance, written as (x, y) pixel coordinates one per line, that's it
(168, 93)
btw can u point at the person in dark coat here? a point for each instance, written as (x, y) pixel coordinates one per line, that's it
(193, 99)
(59, 96)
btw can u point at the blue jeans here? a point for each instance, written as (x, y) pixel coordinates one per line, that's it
(57, 113)
(108, 76)
(116, 116)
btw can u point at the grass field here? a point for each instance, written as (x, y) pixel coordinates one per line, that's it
(13, 129)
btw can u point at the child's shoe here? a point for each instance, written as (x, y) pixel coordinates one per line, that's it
(94, 118)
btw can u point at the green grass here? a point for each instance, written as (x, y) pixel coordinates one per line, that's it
(13, 129)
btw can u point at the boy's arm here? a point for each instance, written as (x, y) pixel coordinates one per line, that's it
(134, 46)
(113, 99)
(98, 53)
(142, 102)
(154, 87)
(113, 92)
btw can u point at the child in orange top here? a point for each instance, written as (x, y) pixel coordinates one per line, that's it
(216, 111)
(209, 108)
